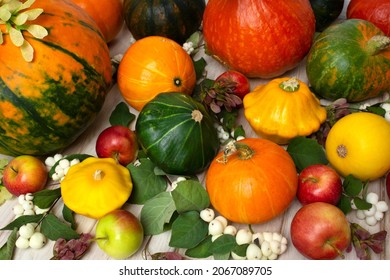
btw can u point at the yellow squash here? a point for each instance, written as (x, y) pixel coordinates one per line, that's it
(283, 109)
(96, 186)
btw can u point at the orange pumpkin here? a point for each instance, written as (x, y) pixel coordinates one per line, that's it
(108, 15)
(153, 65)
(252, 181)
(263, 38)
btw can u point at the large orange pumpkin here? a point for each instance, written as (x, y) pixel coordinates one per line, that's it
(253, 184)
(153, 65)
(108, 15)
(263, 38)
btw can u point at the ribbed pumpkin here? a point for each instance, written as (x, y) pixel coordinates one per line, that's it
(174, 19)
(350, 59)
(254, 183)
(263, 38)
(47, 103)
(177, 133)
(108, 15)
(153, 65)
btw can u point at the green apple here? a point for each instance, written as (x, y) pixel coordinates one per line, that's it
(25, 174)
(119, 233)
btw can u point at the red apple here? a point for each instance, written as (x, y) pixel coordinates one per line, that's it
(320, 231)
(119, 233)
(25, 174)
(388, 184)
(118, 142)
(240, 82)
(319, 182)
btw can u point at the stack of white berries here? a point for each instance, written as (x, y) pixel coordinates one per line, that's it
(62, 167)
(262, 245)
(376, 213)
(29, 234)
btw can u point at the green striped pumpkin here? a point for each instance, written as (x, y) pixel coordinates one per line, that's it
(47, 103)
(175, 19)
(177, 133)
(350, 60)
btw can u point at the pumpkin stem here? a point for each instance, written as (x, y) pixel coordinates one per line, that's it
(197, 116)
(342, 151)
(98, 175)
(243, 151)
(290, 85)
(377, 43)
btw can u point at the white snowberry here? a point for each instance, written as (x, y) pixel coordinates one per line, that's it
(215, 227)
(370, 212)
(22, 243)
(223, 220)
(57, 157)
(379, 215)
(29, 197)
(230, 229)
(29, 212)
(243, 236)
(207, 215)
(382, 206)
(253, 252)
(26, 231)
(371, 221)
(28, 205)
(37, 240)
(266, 249)
(360, 214)
(18, 209)
(21, 199)
(50, 161)
(372, 198)
(237, 257)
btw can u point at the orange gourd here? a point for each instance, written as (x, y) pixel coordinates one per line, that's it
(153, 65)
(108, 15)
(263, 38)
(252, 181)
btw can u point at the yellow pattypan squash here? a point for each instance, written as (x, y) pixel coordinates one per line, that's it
(283, 109)
(96, 186)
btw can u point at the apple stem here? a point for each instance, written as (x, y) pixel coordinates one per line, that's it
(340, 253)
(311, 179)
(98, 175)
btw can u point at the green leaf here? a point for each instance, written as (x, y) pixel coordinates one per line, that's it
(199, 66)
(22, 220)
(80, 157)
(376, 110)
(156, 212)
(121, 115)
(45, 198)
(239, 131)
(188, 230)
(361, 204)
(221, 257)
(190, 195)
(7, 250)
(344, 204)
(352, 186)
(54, 229)
(202, 250)
(305, 152)
(223, 244)
(229, 119)
(146, 184)
(68, 216)
(240, 250)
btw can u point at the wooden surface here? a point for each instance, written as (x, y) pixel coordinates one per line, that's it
(159, 243)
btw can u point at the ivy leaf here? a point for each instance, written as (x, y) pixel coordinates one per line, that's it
(68, 216)
(305, 152)
(190, 195)
(54, 229)
(45, 198)
(22, 220)
(352, 186)
(156, 212)
(121, 115)
(7, 250)
(223, 244)
(202, 250)
(146, 184)
(188, 230)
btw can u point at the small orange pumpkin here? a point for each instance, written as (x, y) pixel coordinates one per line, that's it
(153, 65)
(252, 181)
(108, 15)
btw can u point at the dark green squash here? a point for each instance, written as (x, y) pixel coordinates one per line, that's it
(350, 60)
(177, 133)
(326, 12)
(175, 19)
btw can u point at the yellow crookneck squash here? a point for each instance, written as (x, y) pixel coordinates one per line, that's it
(96, 186)
(283, 109)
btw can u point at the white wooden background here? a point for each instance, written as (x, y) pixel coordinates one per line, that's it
(159, 243)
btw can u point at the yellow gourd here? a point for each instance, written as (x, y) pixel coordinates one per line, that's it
(283, 109)
(96, 186)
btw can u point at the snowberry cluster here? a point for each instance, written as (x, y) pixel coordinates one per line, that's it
(62, 167)
(189, 47)
(30, 237)
(223, 135)
(25, 206)
(375, 213)
(262, 245)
